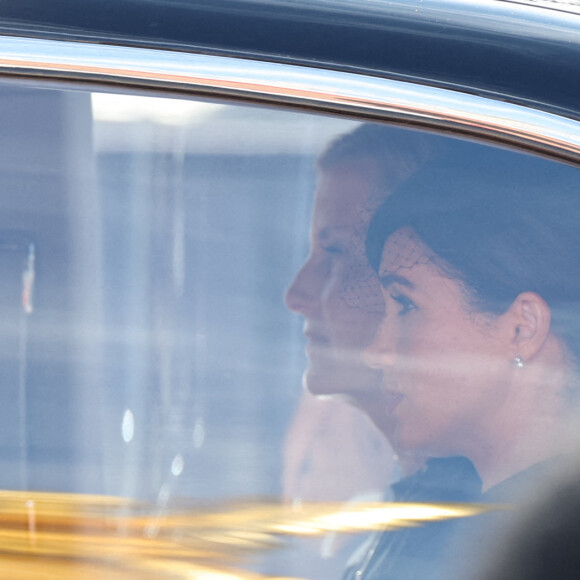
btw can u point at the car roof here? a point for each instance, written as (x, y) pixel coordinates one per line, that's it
(512, 50)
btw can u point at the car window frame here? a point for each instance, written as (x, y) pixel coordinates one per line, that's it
(310, 89)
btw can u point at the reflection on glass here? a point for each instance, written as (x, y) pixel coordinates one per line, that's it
(128, 426)
(177, 465)
(91, 535)
(147, 353)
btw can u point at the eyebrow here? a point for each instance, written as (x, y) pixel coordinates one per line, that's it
(387, 279)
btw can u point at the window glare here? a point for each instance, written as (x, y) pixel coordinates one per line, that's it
(242, 341)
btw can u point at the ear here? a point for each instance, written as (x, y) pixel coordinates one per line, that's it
(531, 319)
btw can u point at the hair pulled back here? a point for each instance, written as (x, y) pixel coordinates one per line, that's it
(502, 223)
(398, 151)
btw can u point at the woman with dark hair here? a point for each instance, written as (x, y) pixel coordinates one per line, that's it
(479, 263)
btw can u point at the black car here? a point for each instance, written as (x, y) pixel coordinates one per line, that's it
(159, 161)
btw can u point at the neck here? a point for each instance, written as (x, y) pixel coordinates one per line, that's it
(504, 457)
(492, 475)
(528, 427)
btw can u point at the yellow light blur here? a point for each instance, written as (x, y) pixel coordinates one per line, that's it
(62, 536)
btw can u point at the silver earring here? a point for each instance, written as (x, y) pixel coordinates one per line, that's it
(519, 361)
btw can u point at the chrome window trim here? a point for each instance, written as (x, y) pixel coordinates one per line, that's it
(317, 89)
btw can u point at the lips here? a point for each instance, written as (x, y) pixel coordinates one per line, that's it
(316, 338)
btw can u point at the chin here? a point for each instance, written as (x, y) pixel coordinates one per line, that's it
(419, 443)
(317, 384)
(371, 406)
(319, 380)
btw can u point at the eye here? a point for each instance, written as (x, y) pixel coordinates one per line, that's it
(334, 249)
(406, 304)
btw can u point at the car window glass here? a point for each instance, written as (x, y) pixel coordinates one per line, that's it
(232, 334)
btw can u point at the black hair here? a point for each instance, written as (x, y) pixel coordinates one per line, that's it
(502, 222)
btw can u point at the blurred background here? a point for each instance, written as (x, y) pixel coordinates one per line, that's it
(154, 239)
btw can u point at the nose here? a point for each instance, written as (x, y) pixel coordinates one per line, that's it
(381, 353)
(301, 295)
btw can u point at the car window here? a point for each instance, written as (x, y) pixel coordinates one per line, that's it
(252, 341)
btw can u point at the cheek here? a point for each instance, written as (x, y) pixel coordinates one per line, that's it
(448, 378)
(353, 328)
(357, 284)
(445, 373)
(438, 347)
(364, 293)
(426, 369)
(415, 341)
(435, 402)
(354, 312)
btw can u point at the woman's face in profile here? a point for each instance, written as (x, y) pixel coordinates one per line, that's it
(336, 290)
(445, 365)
